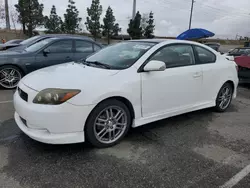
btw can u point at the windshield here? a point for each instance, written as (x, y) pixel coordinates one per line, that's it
(121, 55)
(234, 50)
(28, 41)
(37, 46)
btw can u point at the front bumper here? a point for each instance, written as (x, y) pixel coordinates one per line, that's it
(53, 124)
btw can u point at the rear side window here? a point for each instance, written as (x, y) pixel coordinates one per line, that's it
(83, 46)
(204, 55)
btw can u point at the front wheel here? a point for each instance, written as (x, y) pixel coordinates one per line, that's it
(224, 97)
(108, 123)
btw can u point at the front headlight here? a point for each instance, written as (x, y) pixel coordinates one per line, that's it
(55, 96)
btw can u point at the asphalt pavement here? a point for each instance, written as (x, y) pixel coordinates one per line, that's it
(199, 149)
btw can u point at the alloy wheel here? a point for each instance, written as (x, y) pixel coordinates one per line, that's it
(9, 77)
(110, 124)
(225, 97)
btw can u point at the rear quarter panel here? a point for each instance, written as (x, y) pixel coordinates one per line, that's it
(215, 75)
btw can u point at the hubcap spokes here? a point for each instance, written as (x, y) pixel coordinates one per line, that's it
(9, 77)
(110, 124)
(225, 98)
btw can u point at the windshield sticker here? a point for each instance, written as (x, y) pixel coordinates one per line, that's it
(142, 47)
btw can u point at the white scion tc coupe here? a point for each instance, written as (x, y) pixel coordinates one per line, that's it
(124, 85)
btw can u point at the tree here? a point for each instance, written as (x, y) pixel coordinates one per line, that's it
(14, 19)
(2, 13)
(93, 20)
(22, 14)
(109, 27)
(30, 14)
(134, 27)
(53, 23)
(116, 29)
(71, 19)
(144, 20)
(149, 30)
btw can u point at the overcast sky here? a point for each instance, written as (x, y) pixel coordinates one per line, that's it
(225, 18)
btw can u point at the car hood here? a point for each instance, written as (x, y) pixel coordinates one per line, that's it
(4, 45)
(66, 76)
(9, 53)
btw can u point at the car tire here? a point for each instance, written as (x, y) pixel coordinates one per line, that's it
(10, 76)
(224, 97)
(108, 123)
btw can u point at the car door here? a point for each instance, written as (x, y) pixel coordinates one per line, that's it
(82, 49)
(211, 72)
(176, 88)
(60, 51)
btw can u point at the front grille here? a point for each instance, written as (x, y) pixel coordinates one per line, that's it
(23, 95)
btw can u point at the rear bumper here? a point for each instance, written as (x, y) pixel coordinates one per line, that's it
(244, 76)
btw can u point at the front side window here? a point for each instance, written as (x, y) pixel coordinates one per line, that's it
(83, 46)
(121, 55)
(64, 46)
(175, 55)
(204, 55)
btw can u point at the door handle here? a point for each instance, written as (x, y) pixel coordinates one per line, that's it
(197, 74)
(68, 57)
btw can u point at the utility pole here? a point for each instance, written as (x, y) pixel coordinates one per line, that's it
(191, 14)
(7, 16)
(134, 9)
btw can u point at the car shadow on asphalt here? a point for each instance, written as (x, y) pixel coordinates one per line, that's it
(9, 129)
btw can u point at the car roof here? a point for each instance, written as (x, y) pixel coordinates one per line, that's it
(150, 40)
(67, 36)
(213, 43)
(169, 41)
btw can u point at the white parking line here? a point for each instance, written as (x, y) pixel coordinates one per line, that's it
(234, 180)
(4, 102)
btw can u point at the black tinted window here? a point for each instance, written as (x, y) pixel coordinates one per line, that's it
(175, 55)
(204, 55)
(83, 46)
(64, 46)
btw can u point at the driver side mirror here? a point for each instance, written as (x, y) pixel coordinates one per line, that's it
(46, 52)
(154, 65)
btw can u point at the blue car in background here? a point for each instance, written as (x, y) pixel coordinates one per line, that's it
(53, 50)
(30, 41)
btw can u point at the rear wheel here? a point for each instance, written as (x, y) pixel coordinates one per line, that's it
(108, 123)
(10, 76)
(224, 97)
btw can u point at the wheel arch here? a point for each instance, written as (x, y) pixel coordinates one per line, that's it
(231, 83)
(14, 65)
(119, 98)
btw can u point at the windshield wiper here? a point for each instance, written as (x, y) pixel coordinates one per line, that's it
(97, 63)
